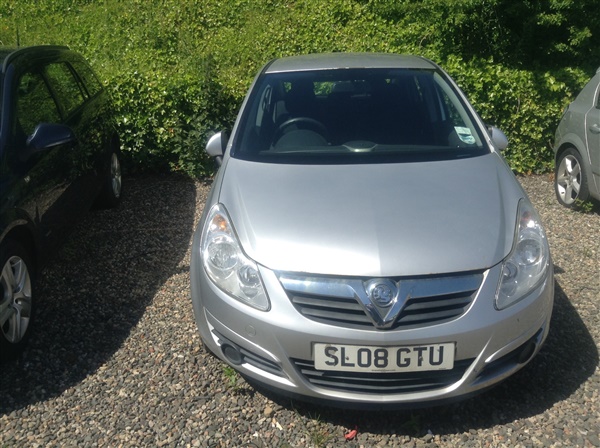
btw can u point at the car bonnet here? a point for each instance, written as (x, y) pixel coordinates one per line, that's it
(397, 219)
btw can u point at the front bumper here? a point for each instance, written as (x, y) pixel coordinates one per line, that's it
(276, 348)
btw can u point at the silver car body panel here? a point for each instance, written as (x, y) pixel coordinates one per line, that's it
(580, 128)
(482, 336)
(346, 60)
(373, 220)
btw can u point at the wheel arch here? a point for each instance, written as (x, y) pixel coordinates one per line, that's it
(115, 141)
(572, 141)
(22, 235)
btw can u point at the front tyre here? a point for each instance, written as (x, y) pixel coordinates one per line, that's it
(570, 182)
(16, 299)
(112, 188)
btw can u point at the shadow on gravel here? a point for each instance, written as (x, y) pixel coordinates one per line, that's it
(568, 358)
(98, 286)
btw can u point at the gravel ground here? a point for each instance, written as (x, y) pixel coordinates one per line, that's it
(116, 359)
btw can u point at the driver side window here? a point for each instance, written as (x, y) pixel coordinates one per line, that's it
(35, 105)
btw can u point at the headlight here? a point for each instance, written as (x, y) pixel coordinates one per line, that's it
(227, 265)
(526, 266)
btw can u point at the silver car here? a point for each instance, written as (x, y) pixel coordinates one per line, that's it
(364, 243)
(577, 148)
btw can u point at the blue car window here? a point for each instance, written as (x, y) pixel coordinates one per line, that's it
(35, 105)
(65, 87)
(89, 79)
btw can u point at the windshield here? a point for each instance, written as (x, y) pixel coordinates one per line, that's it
(355, 115)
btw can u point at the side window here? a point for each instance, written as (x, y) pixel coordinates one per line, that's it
(35, 105)
(65, 86)
(91, 82)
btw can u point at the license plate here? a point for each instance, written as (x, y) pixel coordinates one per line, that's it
(355, 358)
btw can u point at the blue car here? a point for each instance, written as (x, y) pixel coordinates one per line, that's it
(59, 155)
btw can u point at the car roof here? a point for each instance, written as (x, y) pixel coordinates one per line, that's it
(9, 54)
(5, 51)
(332, 61)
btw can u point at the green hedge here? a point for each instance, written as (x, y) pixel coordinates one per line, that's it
(178, 70)
(525, 104)
(164, 121)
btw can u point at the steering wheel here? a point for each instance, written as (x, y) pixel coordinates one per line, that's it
(309, 123)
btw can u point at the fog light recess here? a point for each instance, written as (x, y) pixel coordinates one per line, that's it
(526, 353)
(233, 355)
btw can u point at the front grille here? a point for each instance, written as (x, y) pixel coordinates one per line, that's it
(343, 302)
(382, 383)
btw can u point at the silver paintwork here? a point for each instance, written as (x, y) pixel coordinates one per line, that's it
(346, 60)
(578, 176)
(483, 334)
(337, 232)
(366, 220)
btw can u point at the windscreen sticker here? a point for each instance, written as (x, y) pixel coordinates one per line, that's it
(465, 134)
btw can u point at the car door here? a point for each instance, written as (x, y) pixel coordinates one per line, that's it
(592, 126)
(41, 176)
(71, 97)
(96, 123)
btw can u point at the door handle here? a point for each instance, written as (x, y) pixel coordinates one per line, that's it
(594, 129)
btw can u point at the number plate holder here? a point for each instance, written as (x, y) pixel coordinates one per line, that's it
(409, 358)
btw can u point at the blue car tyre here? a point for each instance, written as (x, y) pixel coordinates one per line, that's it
(16, 299)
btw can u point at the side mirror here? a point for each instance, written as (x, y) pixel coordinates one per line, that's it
(499, 140)
(216, 146)
(47, 136)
